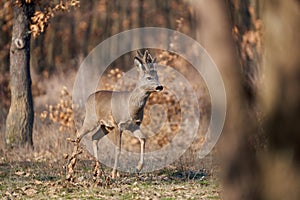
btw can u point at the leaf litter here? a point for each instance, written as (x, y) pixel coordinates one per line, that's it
(43, 181)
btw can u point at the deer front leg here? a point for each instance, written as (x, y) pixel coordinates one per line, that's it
(142, 140)
(141, 162)
(118, 136)
(97, 172)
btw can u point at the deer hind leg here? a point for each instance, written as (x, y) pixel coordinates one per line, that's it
(99, 133)
(118, 137)
(142, 140)
(87, 127)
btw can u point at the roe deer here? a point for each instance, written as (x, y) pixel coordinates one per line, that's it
(109, 110)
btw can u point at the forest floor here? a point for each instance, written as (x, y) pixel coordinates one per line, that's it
(44, 180)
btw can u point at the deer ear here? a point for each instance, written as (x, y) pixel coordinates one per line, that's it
(154, 60)
(139, 64)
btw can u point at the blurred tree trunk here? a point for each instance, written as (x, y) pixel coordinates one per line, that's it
(272, 172)
(5, 34)
(19, 122)
(237, 155)
(50, 55)
(87, 33)
(280, 96)
(250, 171)
(73, 45)
(246, 28)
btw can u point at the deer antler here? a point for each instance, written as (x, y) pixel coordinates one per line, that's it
(146, 57)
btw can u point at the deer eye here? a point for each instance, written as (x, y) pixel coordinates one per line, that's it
(149, 78)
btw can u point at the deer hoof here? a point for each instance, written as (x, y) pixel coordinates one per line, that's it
(115, 174)
(139, 167)
(78, 139)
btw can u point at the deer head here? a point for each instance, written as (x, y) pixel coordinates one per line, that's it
(148, 79)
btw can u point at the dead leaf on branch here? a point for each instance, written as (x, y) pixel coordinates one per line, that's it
(70, 172)
(41, 19)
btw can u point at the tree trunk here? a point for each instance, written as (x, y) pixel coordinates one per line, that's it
(19, 122)
(250, 171)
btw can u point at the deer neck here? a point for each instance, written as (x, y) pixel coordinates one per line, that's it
(137, 102)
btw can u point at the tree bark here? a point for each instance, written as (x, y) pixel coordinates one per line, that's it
(250, 171)
(19, 122)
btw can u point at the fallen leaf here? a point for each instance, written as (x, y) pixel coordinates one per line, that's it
(37, 182)
(178, 188)
(20, 173)
(30, 191)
